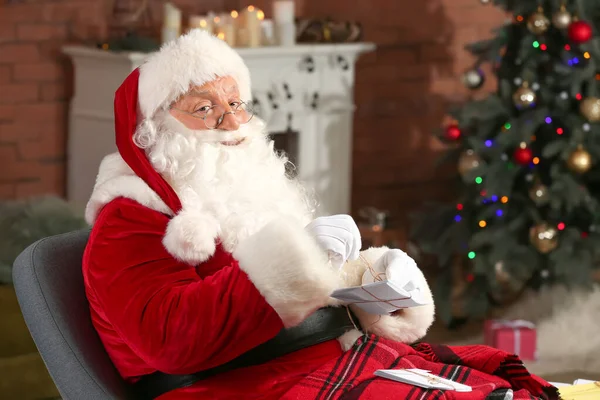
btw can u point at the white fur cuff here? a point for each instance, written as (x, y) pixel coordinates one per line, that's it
(289, 269)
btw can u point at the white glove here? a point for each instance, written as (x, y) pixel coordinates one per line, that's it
(339, 236)
(396, 266)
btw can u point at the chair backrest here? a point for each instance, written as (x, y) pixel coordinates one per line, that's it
(49, 285)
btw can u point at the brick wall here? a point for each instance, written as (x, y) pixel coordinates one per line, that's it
(401, 93)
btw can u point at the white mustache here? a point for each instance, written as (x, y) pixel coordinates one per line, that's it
(212, 135)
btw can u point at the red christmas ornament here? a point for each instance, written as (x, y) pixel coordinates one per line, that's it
(580, 32)
(452, 132)
(523, 155)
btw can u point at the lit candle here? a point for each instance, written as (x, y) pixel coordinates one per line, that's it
(201, 22)
(252, 20)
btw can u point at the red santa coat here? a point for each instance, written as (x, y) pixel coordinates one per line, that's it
(154, 313)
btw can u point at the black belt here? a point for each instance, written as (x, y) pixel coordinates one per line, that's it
(323, 325)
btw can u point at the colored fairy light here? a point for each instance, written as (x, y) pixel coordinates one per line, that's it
(548, 120)
(536, 160)
(457, 218)
(561, 226)
(494, 197)
(478, 180)
(560, 131)
(482, 224)
(504, 199)
(471, 255)
(584, 235)
(586, 55)
(567, 47)
(578, 96)
(520, 18)
(507, 126)
(499, 213)
(543, 47)
(471, 277)
(488, 143)
(536, 44)
(459, 207)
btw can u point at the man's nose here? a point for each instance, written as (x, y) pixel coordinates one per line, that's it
(229, 122)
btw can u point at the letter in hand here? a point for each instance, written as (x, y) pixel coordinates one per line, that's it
(395, 266)
(339, 236)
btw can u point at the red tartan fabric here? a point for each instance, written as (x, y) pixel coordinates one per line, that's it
(491, 373)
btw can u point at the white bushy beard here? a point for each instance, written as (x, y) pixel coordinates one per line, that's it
(243, 186)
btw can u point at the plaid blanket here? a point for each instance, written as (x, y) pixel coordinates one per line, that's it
(493, 374)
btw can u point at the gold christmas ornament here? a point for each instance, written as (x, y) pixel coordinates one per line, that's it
(524, 96)
(539, 193)
(579, 161)
(562, 19)
(468, 161)
(537, 22)
(543, 237)
(502, 275)
(590, 109)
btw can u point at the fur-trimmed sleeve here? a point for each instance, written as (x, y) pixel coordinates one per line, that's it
(408, 325)
(289, 269)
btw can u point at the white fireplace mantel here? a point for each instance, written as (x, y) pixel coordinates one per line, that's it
(304, 88)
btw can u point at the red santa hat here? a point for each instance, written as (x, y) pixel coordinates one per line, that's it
(193, 59)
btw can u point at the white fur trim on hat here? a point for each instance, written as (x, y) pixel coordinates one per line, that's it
(193, 59)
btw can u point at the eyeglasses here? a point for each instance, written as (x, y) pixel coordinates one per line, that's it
(213, 116)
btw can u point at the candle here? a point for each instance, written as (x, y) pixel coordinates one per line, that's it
(171, 23)
(285, 27)
(252, 20)
(268, 35)
(227, 32)
(283, 12)
(201, 22)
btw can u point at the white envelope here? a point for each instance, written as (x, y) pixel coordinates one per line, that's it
(382, 297)
(422, 378)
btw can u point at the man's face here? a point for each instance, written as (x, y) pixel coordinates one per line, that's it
(210, 106)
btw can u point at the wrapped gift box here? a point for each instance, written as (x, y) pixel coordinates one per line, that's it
(512, 336)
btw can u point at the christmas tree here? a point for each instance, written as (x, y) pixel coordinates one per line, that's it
(528, 206)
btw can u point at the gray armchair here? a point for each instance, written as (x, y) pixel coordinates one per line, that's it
(49, 286)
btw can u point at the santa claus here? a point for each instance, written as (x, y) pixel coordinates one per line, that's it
(208, 276)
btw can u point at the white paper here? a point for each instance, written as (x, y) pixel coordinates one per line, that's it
(422, 378)
(382, 297)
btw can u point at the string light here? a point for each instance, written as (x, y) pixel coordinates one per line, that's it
(459, 207)
(548, 120)
(507, 126)
(598, 77)
(499, 213)
(560, 131)
(504, 199)
(584, 235)
(471, 255)
(470, 278)
(494, 198)
(561, 226)
(543, 47)
(578, 96)
(567, 47)
(536, 44)
(586, 55)
(482, 224)
(457, 218)
(488, 143)
(520, 18)
(536, 160)
(478, 180)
